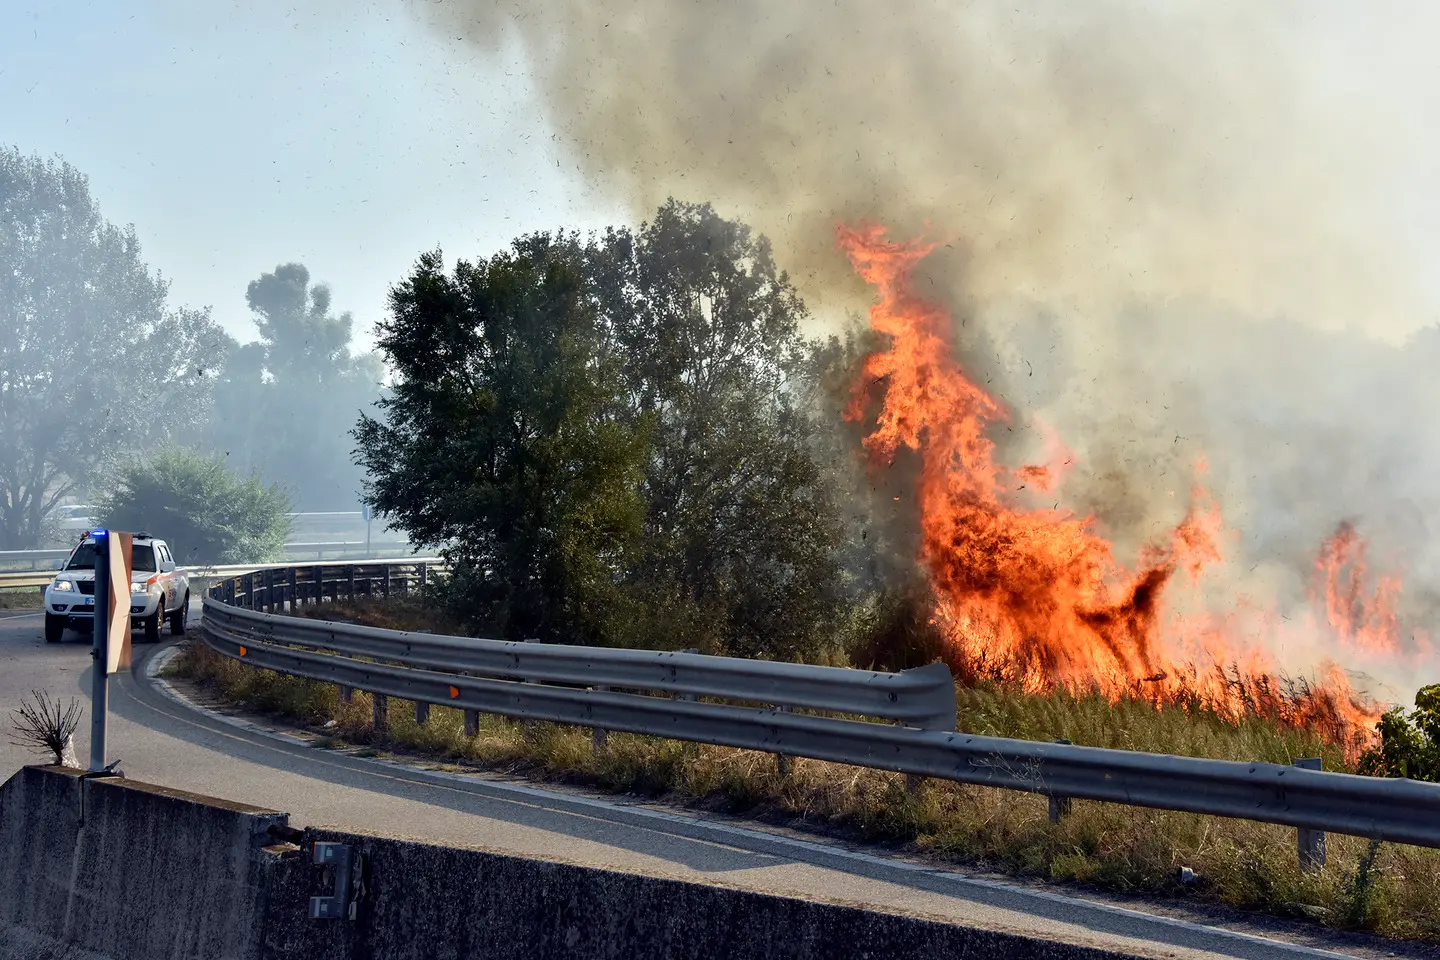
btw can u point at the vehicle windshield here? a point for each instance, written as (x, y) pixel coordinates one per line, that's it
(142, 558)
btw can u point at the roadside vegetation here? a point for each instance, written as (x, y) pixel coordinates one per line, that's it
(26, 598)
(211, 513)
(1385, 889)
(279, 407)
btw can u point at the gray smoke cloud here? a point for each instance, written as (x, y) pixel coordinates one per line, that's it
(1172, 228)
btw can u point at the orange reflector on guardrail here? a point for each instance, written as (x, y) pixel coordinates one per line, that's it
(243, 651)
(454, 692)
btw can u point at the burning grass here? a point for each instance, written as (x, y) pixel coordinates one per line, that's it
(1030, 594)
(1115, 847)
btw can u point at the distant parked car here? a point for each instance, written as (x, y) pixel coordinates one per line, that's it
(159, 591)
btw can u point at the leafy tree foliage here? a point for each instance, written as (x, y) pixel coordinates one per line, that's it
(741, 528)
(202, 508)
(1409, 744)
(503, 439)
(285, 403)
(91, 357)
(652, 383)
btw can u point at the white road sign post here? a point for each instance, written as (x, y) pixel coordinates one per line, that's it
(111, 649)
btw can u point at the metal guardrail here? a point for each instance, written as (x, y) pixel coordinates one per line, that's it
(203, 575)
(610, 689)
(36, 561)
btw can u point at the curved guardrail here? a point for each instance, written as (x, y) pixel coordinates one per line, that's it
(657, 693)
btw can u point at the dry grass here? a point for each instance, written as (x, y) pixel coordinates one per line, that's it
(23, 598)
(1119, 848)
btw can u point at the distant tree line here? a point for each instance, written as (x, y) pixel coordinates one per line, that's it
(99, 374)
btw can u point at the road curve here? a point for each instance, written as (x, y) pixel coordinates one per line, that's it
(162, 740)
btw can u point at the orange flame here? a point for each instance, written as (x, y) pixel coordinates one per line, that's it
(1037, 596)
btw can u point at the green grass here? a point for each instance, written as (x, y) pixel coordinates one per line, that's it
(1127, 849)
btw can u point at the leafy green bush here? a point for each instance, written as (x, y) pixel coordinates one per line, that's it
(1409, 745)
(205, 511)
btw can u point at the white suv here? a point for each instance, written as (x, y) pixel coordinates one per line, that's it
(159, 590)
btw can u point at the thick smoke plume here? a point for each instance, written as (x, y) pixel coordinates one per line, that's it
(1168, 229)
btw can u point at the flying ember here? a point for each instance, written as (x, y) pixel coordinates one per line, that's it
(1035, 595)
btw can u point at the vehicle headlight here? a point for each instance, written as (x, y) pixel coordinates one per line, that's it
(145, 589)
(62, 586)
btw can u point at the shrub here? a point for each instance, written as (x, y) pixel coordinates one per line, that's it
(207, 512)
(1409, 744)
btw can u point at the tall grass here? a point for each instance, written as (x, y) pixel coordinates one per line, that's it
(1386, 889)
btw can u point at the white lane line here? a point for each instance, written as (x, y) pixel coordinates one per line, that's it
(546, 800)
(22, 616)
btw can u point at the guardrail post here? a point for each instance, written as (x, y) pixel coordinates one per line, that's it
(385, 582)
(346, 693)
(1059, 806)
(381, 713)
(319, 584)
(424, 571)
(294, 589)
(1310, 844)
(599, 736)
(422, 713)
(351, 580)
(472, 722)
(270, 591)
(782, 762)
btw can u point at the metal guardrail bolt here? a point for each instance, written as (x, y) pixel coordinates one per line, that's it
(1310, 844)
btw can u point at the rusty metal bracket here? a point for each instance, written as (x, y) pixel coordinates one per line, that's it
(345, 869)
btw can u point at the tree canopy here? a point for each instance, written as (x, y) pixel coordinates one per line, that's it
(206, 511)
(614, 435)
(285, 404)
(503, 438)
(93, 363)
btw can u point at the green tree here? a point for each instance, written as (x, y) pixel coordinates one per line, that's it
(504, 440)
(1409, 744)
(93, 363)
(742, 529)
(286, 403)
(207, 512)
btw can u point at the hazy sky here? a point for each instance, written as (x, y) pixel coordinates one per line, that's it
(237, 136)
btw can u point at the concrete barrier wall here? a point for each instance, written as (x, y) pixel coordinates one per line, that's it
(150, 873)
(122, 869)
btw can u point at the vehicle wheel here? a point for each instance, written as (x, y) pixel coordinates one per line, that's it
(55, 628)
(180, 617)
(152, 625)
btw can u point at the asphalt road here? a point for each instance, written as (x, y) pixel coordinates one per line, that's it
(160, 740)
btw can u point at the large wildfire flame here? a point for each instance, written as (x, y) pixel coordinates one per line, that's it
(1036, 596)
